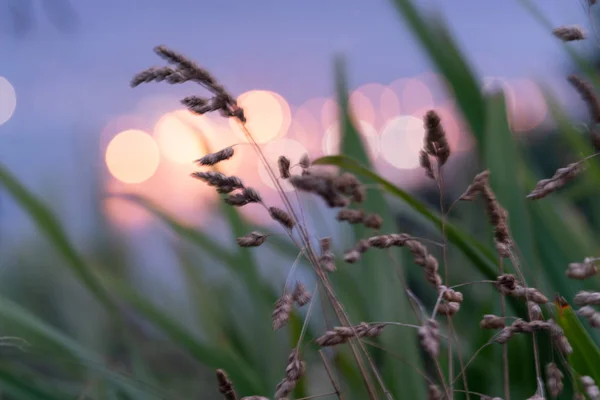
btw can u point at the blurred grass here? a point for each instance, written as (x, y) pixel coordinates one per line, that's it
(231, 324)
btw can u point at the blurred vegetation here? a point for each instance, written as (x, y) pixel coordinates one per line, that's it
(78, 323)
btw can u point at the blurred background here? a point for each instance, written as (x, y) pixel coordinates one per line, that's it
(96, 186)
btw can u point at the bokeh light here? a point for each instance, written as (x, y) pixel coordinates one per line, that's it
(178, 139)
(268, 115)
(527, 108)
(132, 156)
(401, 140)
(8, 100)
(307, 130)
(361, 107)
(414, 95)
(389, 104)
(384, 101)
(492, 84)
(331, 139)
(289, 148)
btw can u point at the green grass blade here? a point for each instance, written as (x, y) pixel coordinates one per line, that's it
(501, 155)
(52, 229)
(26, 387)
(215, 357)
(59, 346)
(436, 40)
(585, 359)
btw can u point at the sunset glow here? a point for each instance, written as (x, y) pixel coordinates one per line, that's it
(268, 115)
(132, 156)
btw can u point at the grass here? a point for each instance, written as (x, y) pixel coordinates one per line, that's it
(421, 294)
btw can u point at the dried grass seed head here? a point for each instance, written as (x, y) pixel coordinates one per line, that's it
(588, 95)
(425, 163)
(435, 142)
(253, 239)
(491, 321)
(373, 221)
(186, 70)
(350, 215)
(448, 308)
(284, 167)
(293, 372)
(225, 385)
(584, 270)
(219, 180)
(281, 311)
(569, 33)
(321, 184)
(587, 298)
(325, 244)
(591, 315)
(430, 337)
(305, 161)
(554, 380)
(301, 295)
(282, 217)
(535, 311)
(214, 158)
(560, 178)
(590, 388)
(327, 261)
(341, 334)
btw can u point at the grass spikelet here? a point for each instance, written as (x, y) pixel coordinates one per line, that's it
(591, 315)
(497, 215)
(584, 270)
(507, 284)
(301, 295)
(281, 311)
(590, 388)
(253, 239)
(351, 216)
(341, 334)
(535, 311)
(293, 373)
(560, 178)
(554, 380)
(282, 217)
(429, 335)
(305, 161)
(283, 163)
(569, 33)
(435, 143)
(373, 221)
(226, 386)
(214, 158)
(587, 94)
(491, 321)
(586, 298)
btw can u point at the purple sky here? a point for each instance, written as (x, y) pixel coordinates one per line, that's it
(69, 86)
